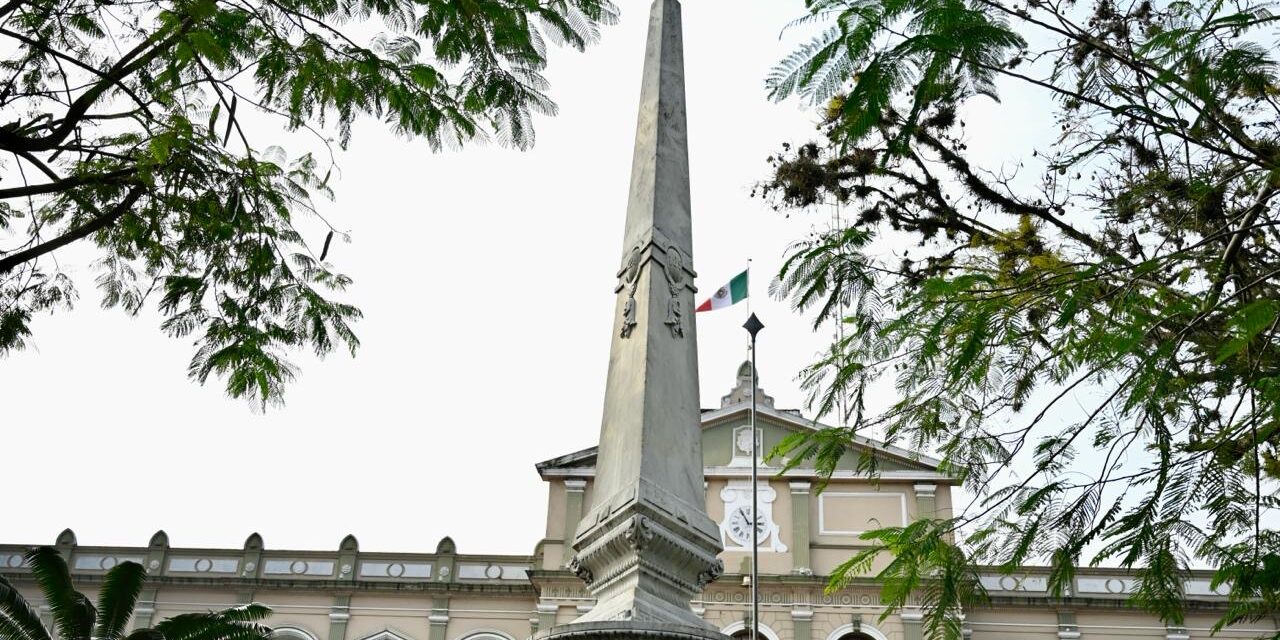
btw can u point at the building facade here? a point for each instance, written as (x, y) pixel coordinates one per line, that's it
(347, 594)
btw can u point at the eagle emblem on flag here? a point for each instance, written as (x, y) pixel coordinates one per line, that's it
(722, 292)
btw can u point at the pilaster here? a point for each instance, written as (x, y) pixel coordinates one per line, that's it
(912, 624)
(800, 496)
(926, 500)
(574, 494)
(1068, 629)
(439, 619)
(547, 614)
(145, 610)
(802, 622)
(339, 615)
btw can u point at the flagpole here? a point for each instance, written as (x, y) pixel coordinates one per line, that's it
(753, 326)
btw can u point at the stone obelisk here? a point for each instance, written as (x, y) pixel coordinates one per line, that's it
(647, 546)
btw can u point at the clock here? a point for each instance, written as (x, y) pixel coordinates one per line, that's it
(740, 526)
(735, 528)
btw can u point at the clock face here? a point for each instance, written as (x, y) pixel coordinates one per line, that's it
(740, 526)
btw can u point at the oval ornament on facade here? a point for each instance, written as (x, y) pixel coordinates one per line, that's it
(203, 565)
(298, 567)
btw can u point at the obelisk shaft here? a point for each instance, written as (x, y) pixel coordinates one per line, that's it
(647, 545)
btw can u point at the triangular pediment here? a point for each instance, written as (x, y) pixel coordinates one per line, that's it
(718, 426)
(726, 439)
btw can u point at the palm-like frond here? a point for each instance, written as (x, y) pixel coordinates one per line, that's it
(235, 623)
(119, 593)
(18, 621)
(73, 613)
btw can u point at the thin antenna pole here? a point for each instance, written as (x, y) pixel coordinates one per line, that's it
(753, 326)
(755, 514)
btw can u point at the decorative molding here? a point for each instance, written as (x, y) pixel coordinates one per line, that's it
(387, 634)
(1018, 583)
(801, 612)
(629, 277)
(203, 565)
(491, 571)
(741, 447)
(1109, 585)
(822, 526)
(1204, 588)
(741, 391)
(673, 267)
(298, 567)
(575, 484)
(101, 562)
(737, 511)
(394, 569)
(800, 487)
(925, 490)
(722, 471)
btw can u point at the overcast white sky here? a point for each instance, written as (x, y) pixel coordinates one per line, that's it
(486, 280)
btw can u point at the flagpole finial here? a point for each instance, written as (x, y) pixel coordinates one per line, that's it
(753, 326)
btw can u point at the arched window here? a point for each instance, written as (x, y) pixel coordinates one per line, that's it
(739, 631)
(291, 633)
(486, 635)
(862, 631)
(855, 635)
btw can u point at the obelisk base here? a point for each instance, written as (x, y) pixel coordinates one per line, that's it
(627, 630)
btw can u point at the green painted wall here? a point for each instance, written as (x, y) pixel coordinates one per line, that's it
(717, 444)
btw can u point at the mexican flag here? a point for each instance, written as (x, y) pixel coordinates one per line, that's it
(730, 294)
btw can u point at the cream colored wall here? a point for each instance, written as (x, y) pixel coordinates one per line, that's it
(1198, 626)
(1013, 624)
(1120, 625)
(825, 622)
(508, 616)
(304, 609)
(555, 509)
(405, 615)
(555, 549)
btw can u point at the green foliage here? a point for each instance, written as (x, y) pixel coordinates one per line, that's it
(76, 618)
(127, 134)
(922, 560)
(1088, 340)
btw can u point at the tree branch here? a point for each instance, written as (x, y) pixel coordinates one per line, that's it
(98, 223)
